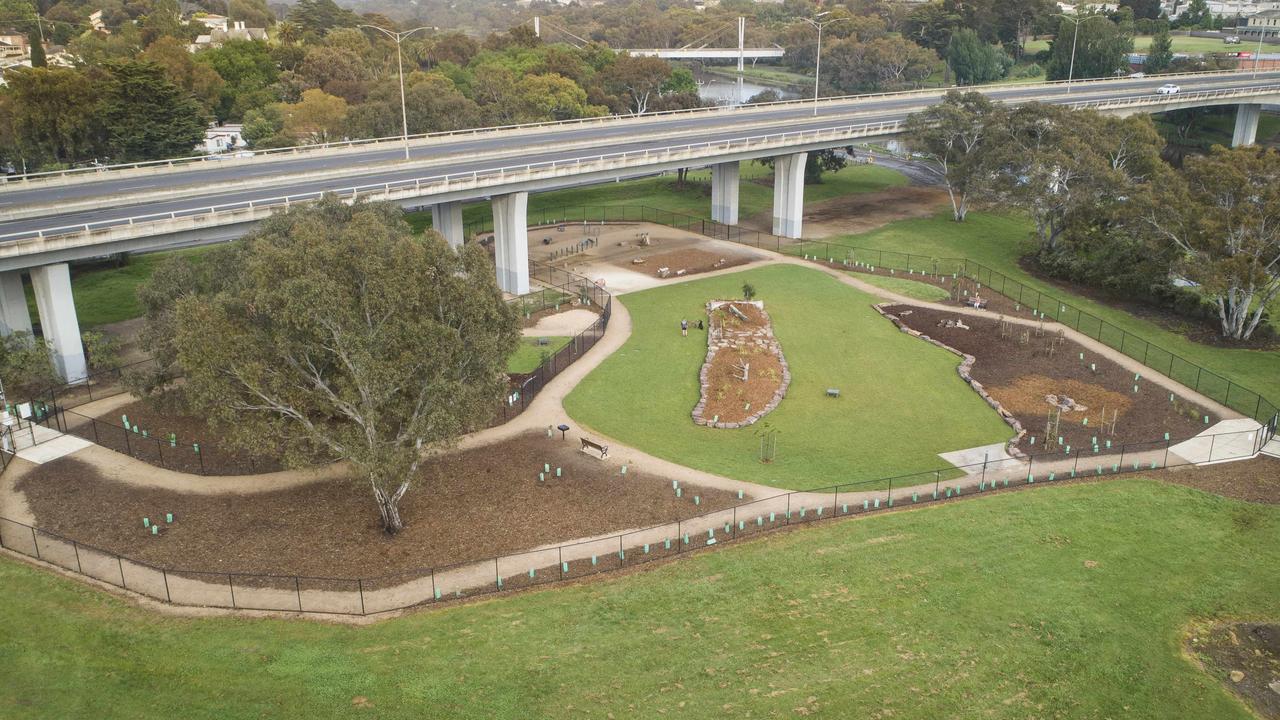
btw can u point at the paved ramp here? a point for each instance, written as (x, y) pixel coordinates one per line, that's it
(1227, 440)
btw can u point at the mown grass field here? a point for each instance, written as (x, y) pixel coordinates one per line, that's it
(901, 400)
(1181, 44)
(693, 199)
(907, 288)
(998, 240)
(528, 355)
(979, 609)
(108, 295)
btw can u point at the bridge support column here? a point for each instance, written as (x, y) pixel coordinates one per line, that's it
(788, 194)
(58, 320)
(446, 219)
(14, 315)
(1246, 133)
(511, 241)
(724, 193)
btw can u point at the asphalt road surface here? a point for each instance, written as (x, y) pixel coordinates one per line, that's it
(385, 163)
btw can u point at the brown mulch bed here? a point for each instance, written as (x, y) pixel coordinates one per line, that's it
(728, 397)
(465, 506)
(1245, 656)
(689, 260)
(215, 456)
(1019, 376)
(1256, 480)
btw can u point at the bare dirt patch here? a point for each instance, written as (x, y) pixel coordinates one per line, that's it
(1018, 376)
(862, 212)
(465, 506)
(1256, 480)
(685, 261)
(1245, 656)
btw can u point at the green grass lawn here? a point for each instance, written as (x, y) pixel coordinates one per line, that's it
(528, 355)
(909, 288)
(106, 295)
(979, 609)
(694, 199)
(998, 240)
(901, 399)
(1181, 44)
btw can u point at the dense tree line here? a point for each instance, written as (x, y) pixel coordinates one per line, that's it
(1110, 212)
(320, 78)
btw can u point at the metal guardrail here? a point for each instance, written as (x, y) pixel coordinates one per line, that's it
(392, 142)
(1174, 98)
(505, 174)
(439, 184)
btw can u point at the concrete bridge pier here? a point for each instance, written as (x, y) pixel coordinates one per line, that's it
(446, 219)
(511, 241)
(724, 192)
(58, 320)
(788, 194)
(1246, 132)
(14, 315)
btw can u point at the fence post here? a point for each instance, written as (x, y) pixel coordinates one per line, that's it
(1213, 439)
(34, 542)
(233, 590)
(297, 588)
(165, 574)
(120, 564)
(937, 480)
(79, 568)
(360, 589)
(889, 496)
(1166, 453)
(559, 556)
(788, 516)
(497, 579)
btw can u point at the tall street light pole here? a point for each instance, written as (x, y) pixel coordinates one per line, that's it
(817, 65)
(1071, 70)
(399, 36)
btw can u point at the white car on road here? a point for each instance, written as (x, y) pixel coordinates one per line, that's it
(1168, 89)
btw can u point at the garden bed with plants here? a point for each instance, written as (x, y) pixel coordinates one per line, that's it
(463, 506)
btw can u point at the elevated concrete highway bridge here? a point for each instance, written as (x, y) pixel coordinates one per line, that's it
(48, 220)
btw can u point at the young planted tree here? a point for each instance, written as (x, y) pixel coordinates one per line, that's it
(1224, 218)
(344, 334)
(957, 134)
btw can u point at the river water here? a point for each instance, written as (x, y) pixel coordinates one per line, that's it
(723, 90)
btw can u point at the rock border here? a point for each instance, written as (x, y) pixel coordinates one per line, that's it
(966, 364)
(713, 348)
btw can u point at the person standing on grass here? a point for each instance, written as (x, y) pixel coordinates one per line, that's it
(684, 328)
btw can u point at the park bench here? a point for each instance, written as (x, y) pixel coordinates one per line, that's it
(833, 392)
(593, 445)
(976, 302)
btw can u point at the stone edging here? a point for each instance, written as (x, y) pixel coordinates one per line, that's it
(713, 348)
(963, 369)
